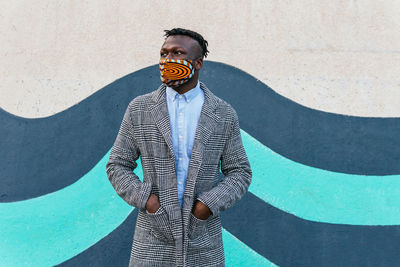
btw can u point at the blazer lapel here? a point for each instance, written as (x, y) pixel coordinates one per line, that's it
(159, 111)
(205, 127)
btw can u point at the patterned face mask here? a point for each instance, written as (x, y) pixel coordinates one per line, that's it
(176, 71)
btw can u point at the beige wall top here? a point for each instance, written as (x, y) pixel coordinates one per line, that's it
(337, 56)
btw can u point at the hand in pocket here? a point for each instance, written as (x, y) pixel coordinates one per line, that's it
(152, 204)
(201, 211)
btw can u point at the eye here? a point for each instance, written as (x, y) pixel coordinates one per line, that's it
(163, 54)
(178, 52)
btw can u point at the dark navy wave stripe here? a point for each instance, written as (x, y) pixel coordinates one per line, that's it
(43, 155)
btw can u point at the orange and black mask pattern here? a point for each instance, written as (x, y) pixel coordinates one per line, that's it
(176, 71)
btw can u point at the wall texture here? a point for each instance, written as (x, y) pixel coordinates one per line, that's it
(316, 86)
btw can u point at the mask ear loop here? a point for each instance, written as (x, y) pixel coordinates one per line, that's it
(192, 63)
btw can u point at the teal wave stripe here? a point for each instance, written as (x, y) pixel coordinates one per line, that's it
(320, 195)
(238, 253)
(71, 220)
(53, 228)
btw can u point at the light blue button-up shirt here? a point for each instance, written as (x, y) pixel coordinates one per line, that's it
(184, 113)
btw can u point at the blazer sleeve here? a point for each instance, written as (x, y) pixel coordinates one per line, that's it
(237, 173)
(122, 162)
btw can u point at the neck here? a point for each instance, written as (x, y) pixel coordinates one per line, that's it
(186, 86)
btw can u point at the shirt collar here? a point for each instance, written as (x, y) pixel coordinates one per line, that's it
(188, 96)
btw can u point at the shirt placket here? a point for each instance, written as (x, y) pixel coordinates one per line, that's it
(181, 144)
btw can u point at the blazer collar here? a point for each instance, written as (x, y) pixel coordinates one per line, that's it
(159, 109)
(210, 100)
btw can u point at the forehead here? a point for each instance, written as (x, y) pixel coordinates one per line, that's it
(181, 41)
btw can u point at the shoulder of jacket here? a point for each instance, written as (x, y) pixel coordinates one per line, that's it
(226, 109)
(140, 102)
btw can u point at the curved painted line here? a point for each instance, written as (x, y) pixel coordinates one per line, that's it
(251, 220)
(238, 253)
(340, 143)
(67, 224)
(113, 249)
(56, 222)
(288, 240)
(316, 194)
(320, 195)
(71, 142)
(65, 146)
(64, 222)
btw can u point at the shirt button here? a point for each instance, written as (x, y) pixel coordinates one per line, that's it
(180, 96)
(179, 182)
(180, 136)
(180, 158)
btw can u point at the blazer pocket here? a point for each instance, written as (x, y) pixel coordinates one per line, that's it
(160, 227)
(196, 227)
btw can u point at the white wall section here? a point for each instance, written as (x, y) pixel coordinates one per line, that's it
(337, 56)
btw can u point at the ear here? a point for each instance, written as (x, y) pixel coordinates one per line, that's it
(198, 63)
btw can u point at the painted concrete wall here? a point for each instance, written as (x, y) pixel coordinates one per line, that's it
(316, 86)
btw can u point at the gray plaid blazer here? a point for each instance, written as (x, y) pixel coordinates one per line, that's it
(173, 236)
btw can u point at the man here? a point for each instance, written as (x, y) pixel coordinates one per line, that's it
(183, 134)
